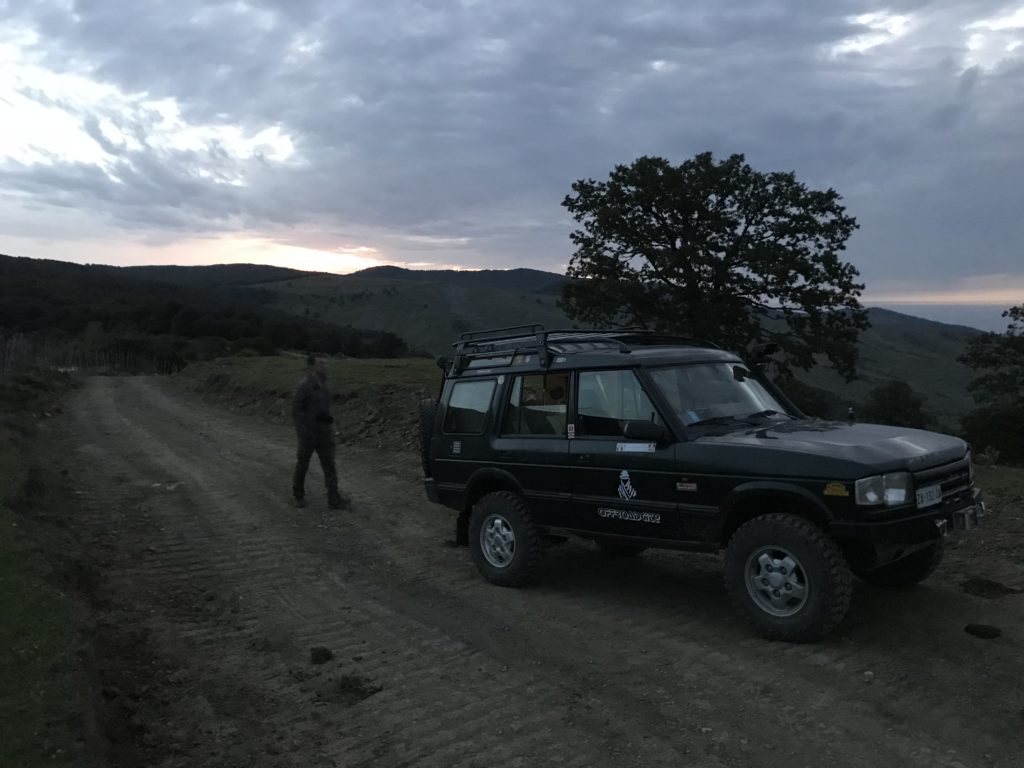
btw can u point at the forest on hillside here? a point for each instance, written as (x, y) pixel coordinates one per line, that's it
(163, 323)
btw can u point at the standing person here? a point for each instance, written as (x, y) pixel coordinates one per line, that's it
(311, 412)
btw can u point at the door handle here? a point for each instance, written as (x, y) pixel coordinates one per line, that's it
(584, 458)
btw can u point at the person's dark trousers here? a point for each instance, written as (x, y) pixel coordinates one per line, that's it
(322, 443)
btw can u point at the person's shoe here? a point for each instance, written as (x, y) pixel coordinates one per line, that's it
(299, 502)
(338, 502)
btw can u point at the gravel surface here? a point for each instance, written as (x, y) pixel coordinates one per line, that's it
(234, 630)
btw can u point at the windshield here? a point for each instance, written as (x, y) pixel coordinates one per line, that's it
(711, 391)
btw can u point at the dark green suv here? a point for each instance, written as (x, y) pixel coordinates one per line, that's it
(638, 440)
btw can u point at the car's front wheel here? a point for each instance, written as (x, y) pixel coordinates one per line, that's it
(787, 577)
(505, 544)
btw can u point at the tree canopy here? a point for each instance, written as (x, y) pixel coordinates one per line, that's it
(999, 389)
(999, 360)
(719, 251)
(896, 404)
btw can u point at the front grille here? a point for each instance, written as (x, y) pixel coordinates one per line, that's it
(955, 478)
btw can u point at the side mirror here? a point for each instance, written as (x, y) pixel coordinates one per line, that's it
(645, 431)
(739, 373)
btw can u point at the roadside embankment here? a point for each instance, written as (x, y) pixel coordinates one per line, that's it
(376, 401)
(45, 709)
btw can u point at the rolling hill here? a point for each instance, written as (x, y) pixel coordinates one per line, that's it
(429, 309)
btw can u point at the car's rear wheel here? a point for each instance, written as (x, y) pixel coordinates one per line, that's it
(787, 577)
(505, 544)
(611, 548)
(907, 571)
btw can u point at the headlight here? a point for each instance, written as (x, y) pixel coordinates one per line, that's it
(891, 490)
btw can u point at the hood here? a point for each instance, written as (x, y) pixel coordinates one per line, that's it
(871, 446)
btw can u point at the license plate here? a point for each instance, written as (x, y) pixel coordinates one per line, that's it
(928, 496)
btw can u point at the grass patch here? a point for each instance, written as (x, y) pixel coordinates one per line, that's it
(43, 687)
(1002, 481)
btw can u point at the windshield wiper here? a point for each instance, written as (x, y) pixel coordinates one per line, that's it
(719, 420)
(770, 412)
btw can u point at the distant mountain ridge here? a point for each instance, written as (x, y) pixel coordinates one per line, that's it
(212, 275)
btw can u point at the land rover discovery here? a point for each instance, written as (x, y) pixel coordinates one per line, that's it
(637, 440)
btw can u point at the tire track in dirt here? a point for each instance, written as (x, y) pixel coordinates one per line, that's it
(199, 507)
(611, 663)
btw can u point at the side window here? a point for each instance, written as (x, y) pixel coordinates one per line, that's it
(467, 408)
(608, 399)
(536, 405)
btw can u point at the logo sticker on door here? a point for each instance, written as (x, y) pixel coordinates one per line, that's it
(626, 489)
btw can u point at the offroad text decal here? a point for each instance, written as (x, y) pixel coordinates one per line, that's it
(625, 514)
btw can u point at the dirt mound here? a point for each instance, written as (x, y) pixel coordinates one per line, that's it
(385, 417)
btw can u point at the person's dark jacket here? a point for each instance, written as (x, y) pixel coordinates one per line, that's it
(311, 406)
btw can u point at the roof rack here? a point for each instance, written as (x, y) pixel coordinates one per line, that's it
(521, 339)
(652, 338)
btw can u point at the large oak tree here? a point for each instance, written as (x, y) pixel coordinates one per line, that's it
(998, 359)
(717, 250)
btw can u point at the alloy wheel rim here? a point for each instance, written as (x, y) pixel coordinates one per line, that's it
(497, 541)
(777, 581)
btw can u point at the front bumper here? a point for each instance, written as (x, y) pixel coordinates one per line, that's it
(967, 518)
(961, 513)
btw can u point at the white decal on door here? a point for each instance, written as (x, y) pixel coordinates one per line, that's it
(628, 514)
(626, 489)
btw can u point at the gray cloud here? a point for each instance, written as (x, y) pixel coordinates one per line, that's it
(471, 119)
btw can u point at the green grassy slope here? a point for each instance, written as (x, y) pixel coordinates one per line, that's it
(431, 309)
(428, 315)
(921, 352)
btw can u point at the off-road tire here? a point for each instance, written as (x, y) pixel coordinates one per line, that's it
(428, 418)
(611, 548)
(524, 567)
(908, 571)
(829, 580)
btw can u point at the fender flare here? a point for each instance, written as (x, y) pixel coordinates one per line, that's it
(776, 490)
(488, 476)
(481, 477)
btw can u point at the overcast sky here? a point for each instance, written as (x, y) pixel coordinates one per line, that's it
(337, 135)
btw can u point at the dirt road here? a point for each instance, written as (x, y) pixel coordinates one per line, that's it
(210, 591)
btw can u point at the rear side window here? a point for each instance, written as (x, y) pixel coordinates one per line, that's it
(466, 413)
(536, 405)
